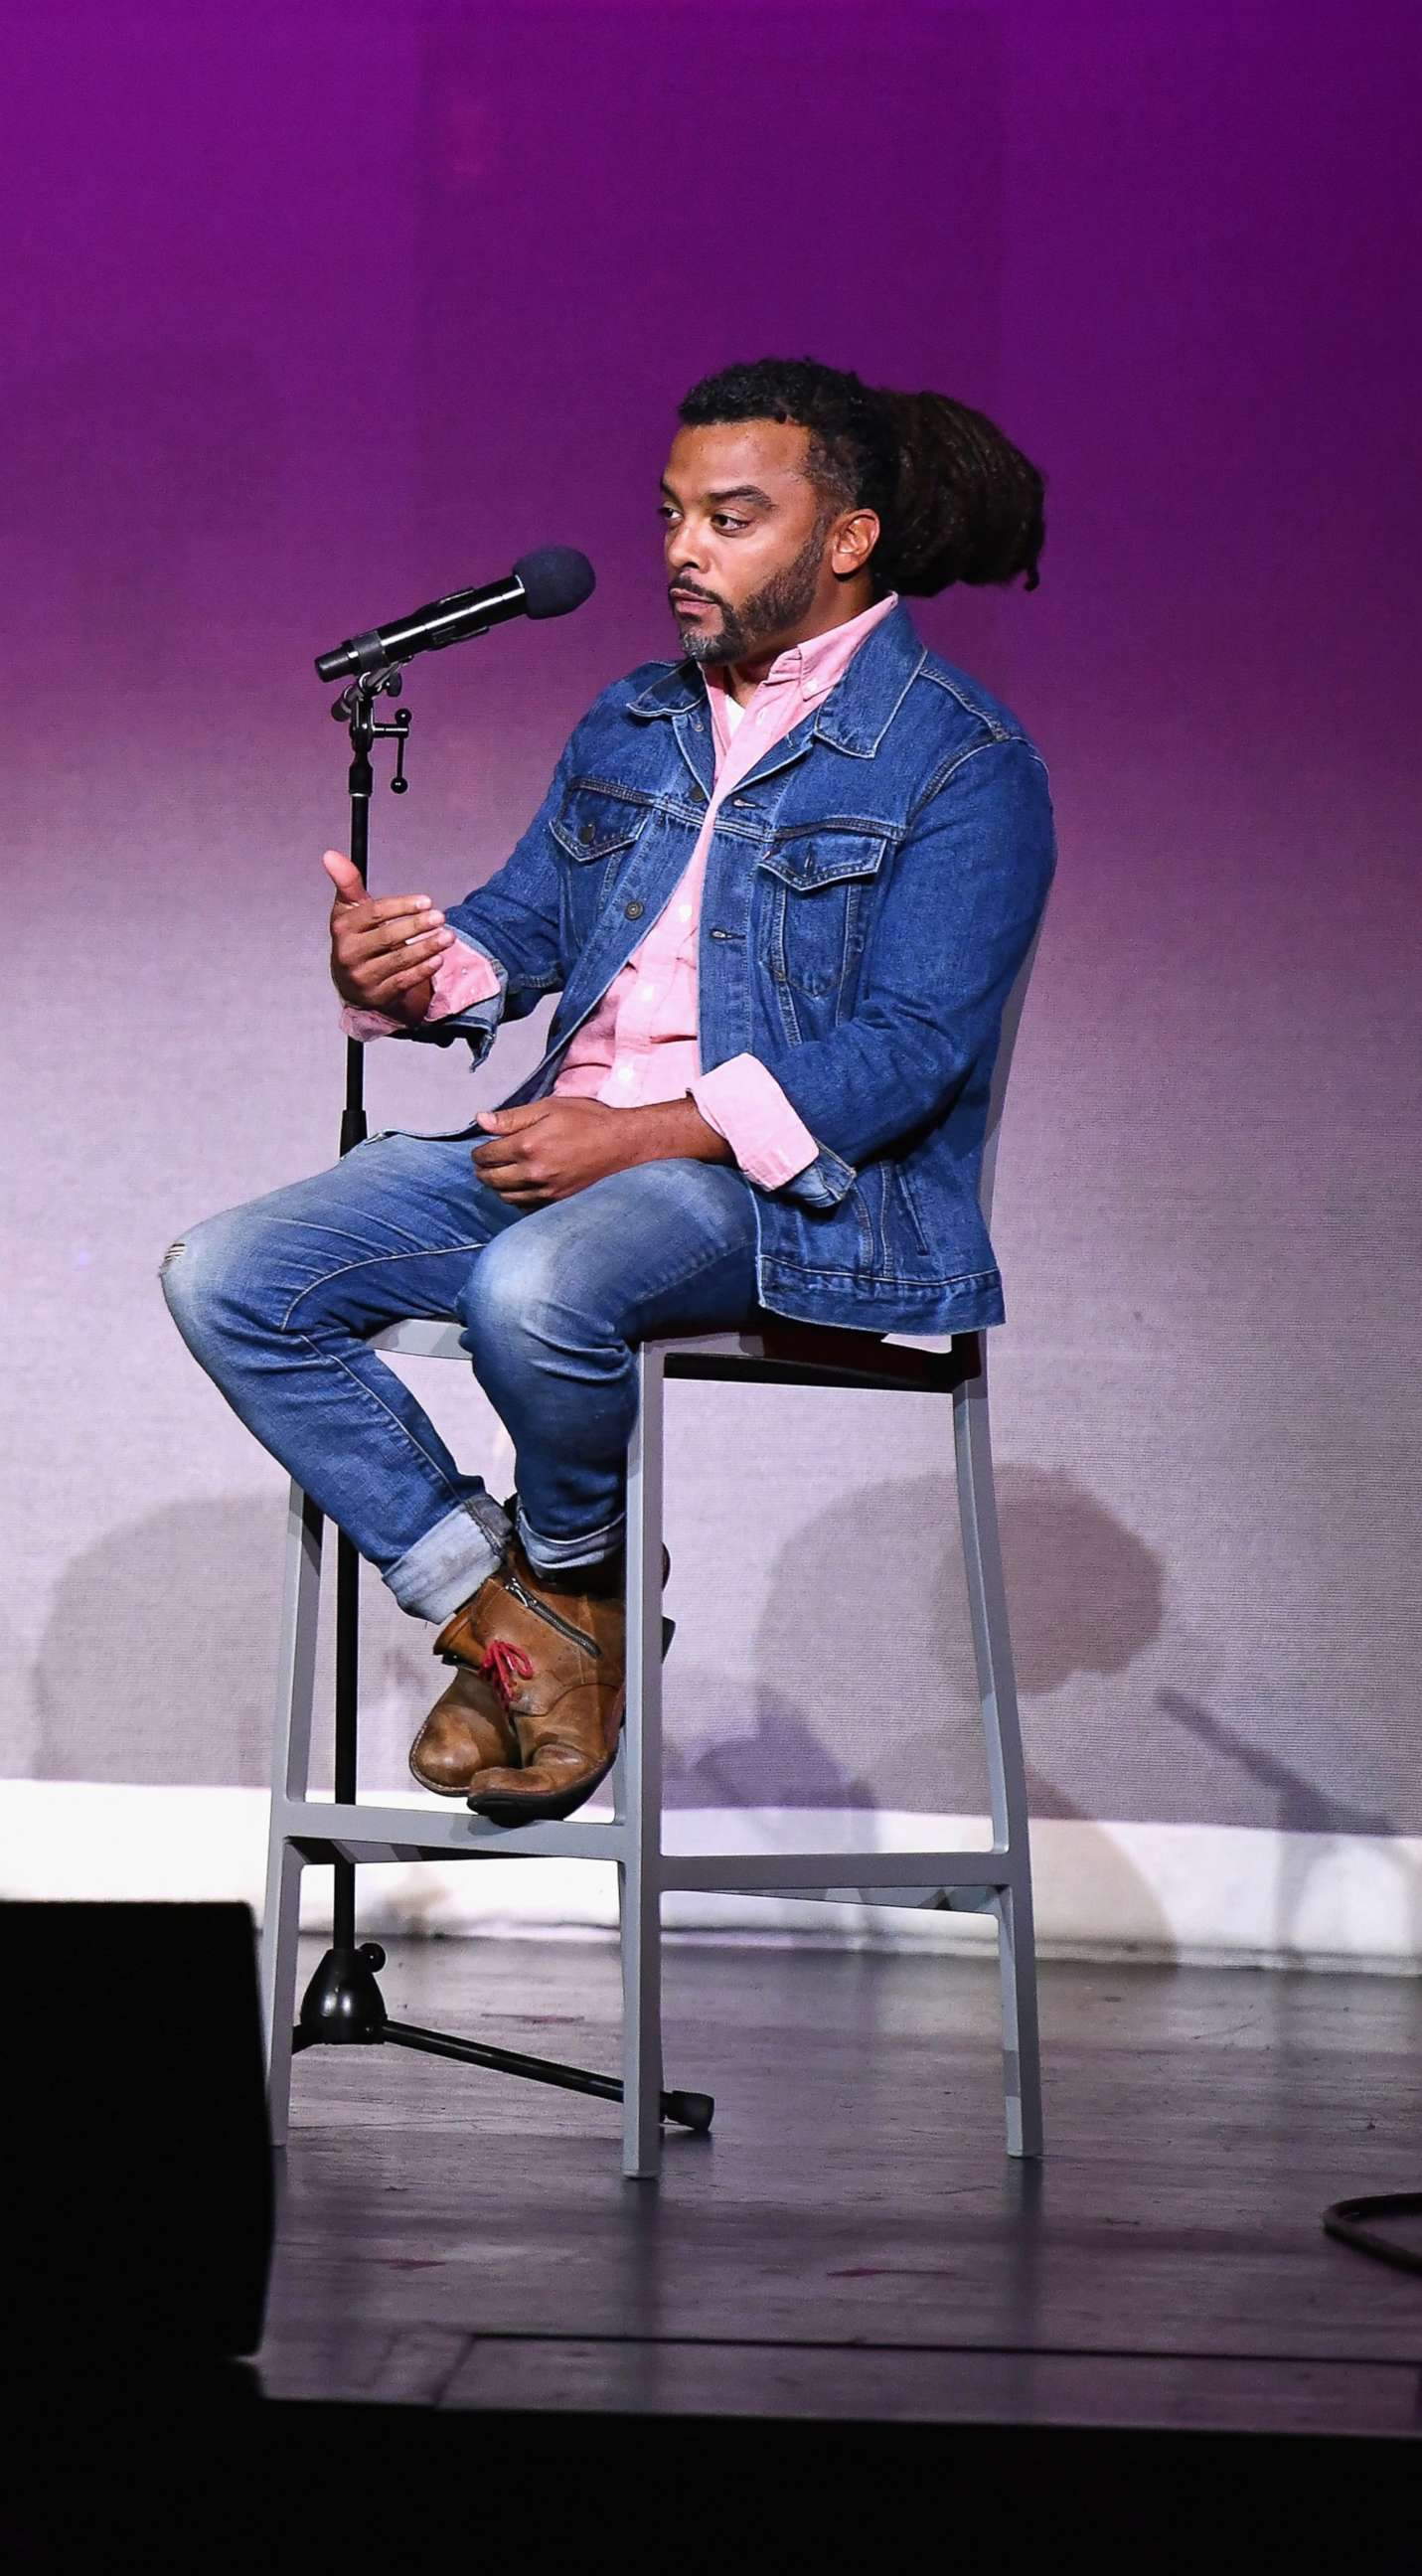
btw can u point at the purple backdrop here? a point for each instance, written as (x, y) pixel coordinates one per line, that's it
(313, 312)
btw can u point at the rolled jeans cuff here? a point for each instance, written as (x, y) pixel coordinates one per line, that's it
(590, 1547)
(435, 1576)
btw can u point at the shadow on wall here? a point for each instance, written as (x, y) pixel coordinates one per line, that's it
(158, 1659)
(158, 1663)
(1300, 1811)
(190, 1683)
(1086, 1597)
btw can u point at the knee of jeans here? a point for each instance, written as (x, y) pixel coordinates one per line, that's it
(191, 1271)
(509, 1290)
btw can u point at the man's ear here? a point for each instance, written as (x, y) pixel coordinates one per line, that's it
(854, 541)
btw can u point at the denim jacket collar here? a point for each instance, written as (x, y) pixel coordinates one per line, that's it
(859, 709)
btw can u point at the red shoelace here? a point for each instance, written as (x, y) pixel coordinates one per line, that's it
(504, 1662)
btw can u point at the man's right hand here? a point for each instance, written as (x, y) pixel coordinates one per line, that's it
(383, 954)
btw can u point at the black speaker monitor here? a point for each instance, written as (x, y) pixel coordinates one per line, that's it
(138, 2204)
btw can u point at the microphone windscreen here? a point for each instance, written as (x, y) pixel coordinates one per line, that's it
(555, 579)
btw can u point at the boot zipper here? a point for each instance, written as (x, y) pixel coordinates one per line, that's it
(542, 1611)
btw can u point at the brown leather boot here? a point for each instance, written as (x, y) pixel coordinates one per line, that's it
(466, 1731)
(468, 1727)
(537, 1706)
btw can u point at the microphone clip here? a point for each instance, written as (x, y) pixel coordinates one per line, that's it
(355, 709)
(383, 681)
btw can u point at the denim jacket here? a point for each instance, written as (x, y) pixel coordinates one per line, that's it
(872, 887)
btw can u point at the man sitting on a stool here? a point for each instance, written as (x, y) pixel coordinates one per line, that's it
(809, 856)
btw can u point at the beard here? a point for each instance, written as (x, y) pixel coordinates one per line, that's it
(781, 602)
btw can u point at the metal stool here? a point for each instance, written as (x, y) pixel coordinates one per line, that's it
(772, 1351)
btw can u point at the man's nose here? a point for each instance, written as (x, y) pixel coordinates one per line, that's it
(683, 554)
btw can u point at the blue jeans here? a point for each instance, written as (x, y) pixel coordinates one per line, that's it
(275, 1300)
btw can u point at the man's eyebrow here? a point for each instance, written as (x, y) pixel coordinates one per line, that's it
(732, 492)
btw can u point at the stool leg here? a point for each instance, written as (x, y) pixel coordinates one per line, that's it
(291, 1768)
(1021, 2054)
(639, 1893)
(280, 1928)
(1007, 1778)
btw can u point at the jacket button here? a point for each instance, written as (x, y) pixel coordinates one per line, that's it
(588, 832)
(633, 911)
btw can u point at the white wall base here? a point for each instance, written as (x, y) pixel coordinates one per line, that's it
(1191, 1894)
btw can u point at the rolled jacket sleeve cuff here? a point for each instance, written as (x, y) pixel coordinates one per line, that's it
(824, 1182)
(463, 977)
(743, 1101)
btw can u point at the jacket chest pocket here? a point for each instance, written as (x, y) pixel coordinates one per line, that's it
(816, 890)
(595, 828)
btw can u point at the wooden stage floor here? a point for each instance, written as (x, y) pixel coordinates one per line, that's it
(852, 2241)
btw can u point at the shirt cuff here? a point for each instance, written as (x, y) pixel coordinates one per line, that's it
(463, 975)
(743, 1101)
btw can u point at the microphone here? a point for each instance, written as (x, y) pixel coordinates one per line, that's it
(546, 583)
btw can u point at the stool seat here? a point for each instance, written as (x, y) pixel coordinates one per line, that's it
(776, 1349)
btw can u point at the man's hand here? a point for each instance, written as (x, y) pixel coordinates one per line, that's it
(383, 955)
(548, 1149)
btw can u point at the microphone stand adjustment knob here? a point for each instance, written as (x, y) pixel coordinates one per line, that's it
(400, 729)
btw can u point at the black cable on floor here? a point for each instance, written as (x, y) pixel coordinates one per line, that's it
(1341, 2218)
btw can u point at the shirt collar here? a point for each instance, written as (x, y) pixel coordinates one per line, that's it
(854, 717)
(814, 666)
(819, 661)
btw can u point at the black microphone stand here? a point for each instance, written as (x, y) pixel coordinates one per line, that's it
(343, 2004)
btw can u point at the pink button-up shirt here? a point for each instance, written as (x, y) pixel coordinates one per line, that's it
(640, 1043)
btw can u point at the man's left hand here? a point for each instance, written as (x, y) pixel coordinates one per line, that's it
(546, 1149)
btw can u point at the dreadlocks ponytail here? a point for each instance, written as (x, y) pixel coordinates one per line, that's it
(967, 504)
